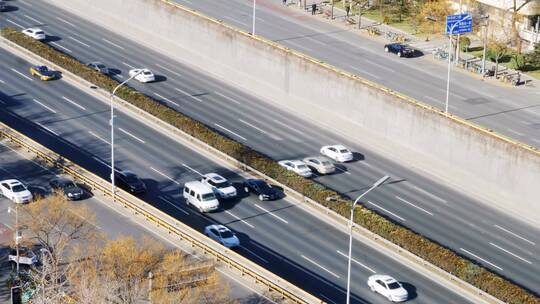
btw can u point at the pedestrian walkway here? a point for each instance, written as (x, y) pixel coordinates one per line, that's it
(6, 236)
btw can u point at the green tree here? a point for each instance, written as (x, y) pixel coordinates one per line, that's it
(437, 10)
(498, 49)
(533, 58)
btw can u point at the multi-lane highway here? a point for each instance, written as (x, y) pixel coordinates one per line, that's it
(15, 163)
(455, 220)
(278, 235)
(513, 112)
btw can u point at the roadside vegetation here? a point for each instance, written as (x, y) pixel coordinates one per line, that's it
(425, 248)
(78, 265)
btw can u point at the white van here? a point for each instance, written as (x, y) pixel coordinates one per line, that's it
(201, 196)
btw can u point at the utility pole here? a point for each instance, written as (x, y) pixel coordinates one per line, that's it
(17, 237)
(150, 277)
(485, 45)
(332, 10)
(456, 60)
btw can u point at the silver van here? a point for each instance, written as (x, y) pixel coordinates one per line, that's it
(200, 196)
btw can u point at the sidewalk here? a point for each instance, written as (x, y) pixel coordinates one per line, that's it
(419, 43)
(6, 236)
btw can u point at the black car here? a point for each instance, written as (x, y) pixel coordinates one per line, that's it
(259, 187)
(129, 181)
(68, 187)
(399, 49)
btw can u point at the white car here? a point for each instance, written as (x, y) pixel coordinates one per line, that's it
(220, 185)
(338, 153)
(223, 235)
(26, 256)
(388, 287)
(144, 75)
(35, 33)
(297, 166)
(15, 191)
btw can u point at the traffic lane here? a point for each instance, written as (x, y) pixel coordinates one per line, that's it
(458, 101)
(13, 163)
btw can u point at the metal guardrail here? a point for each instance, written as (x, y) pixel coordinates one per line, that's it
(161, 219)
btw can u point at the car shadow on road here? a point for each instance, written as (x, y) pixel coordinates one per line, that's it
(10, 8)
(159, 78)
(52, 38)
(411, 290)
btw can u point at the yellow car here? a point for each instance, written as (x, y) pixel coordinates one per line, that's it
(42, 72)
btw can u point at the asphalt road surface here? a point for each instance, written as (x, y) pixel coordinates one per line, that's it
(511, 111)
(278, 235)
(455, 220)
(14, 163)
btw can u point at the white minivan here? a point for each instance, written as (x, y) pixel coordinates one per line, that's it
(201, 196)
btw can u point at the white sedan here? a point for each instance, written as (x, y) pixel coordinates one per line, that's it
(388, 287)
(222, 235)
(35, 33)
(15, 191)
(296, 166)
(221, 186)
(143, 75)
(338, 153)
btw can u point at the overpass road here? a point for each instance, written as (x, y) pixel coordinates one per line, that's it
(458, 221)
(278, 235)
(514, 112)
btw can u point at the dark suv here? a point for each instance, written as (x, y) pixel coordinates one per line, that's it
(399, 49)
(129, 181)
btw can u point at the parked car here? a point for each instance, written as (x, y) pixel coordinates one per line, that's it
(259, 187)
(296, 166)
(223, 235)
(144, 75)
(388, 287)
(26, 256)
(320, 164)
(129, 181)
(98, 66)
(68, 187)
(220, 185)
(42, 72)
(338, 153)
(401, 50)
(15, 191)
(35, 33)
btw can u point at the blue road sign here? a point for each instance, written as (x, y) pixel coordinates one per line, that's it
(461, 23)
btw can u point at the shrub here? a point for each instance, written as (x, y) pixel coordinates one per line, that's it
(421, 246)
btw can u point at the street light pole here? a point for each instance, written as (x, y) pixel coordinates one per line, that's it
(485, 45)
(112, 132)
(17, 237)
(375, 185)
(449, 60)
(254, 11)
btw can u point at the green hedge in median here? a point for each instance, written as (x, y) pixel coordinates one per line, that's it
(409, 240)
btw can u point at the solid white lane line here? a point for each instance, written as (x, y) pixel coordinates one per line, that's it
(297, 46)
(191, 169)
(250, 125)
(44, 105)
(352, 259)
(73, 103)
(362, 72)
(515, 132)
(366, 164)
(327, 299)
(25, 3)
(270, 213)
(164, 175)
(536, 140)
(112, 43)
(62, 47)
(33, 19)
(16, 24)
(433, 196)
(102, 162)
(485, 261)
(236, 20)
(389, 212)
(129, 66)
(173, 205)
(169, 70)
(129, 134)
(344, 171)
(320, 266)
(99, 137)
(65, 21)
(188, 95)
(166, 99)
(514, 234)
(233, 133)
(41, 125)
(411, 204)
(510, 253)
(288, 127)
(21, 74)
(254, 254)
(238, 218)
(78, 41)
(227, 97)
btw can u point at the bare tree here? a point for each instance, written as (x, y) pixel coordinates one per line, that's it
(516, 18)
(499, 48)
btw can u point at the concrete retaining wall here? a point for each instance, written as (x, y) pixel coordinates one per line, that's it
(497, 171)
